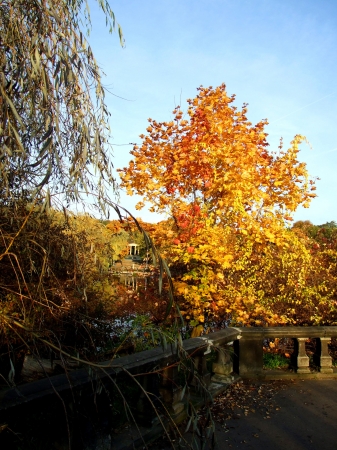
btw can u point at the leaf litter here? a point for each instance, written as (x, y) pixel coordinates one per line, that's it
(238, 401)
(243, 398)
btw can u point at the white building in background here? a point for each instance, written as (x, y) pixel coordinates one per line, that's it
(133, 249)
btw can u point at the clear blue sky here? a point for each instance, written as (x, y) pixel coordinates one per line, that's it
(279, 56)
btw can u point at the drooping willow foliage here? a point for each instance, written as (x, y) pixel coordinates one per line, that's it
(54, 123)
(54, 150)
(54, 144)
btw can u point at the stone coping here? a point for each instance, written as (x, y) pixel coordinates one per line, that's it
(290, 332)
(247, 343)
(145, 361)
(137, 363)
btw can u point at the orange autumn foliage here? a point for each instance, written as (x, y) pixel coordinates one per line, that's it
(228, 197)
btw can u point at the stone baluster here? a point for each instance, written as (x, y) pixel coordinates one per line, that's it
(302, 359)
(148, 402)
(222, 367)
(324, 359)
(203, 375)
(171, 392)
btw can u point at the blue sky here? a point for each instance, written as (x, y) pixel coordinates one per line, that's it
(279, 56)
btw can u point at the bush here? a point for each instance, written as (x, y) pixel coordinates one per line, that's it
(274, 361)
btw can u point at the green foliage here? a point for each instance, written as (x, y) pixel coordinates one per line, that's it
(274, 360)
(119, 244)
(325, 234)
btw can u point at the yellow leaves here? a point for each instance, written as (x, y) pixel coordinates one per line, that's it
(203, 257)
(180, 287)
(269, 235)
(243, 194)
(127, 177)
(140, 205)
(226, 261)
(194, 162)
(245, 175)
(197, 331)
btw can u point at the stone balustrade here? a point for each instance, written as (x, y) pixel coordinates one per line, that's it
(235, 353)
(248, 360)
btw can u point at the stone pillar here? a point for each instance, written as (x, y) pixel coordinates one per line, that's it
(325, 360)
(148, 402)
(171, 392)
(200, 365)
(248, 354)
(302, 359)
(222, 367)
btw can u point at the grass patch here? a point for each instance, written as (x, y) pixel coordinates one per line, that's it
(274, 361)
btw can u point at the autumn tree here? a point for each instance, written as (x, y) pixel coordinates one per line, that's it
(292, 284)
(325, 235)
(227, 194)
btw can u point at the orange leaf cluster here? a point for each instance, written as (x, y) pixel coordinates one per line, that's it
(227, 194)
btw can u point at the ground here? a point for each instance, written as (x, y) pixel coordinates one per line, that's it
(276, 415)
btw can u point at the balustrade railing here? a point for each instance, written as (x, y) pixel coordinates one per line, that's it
(235, 352)
(248, 351)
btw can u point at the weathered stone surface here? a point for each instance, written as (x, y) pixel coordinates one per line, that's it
(302, 357)
(248, 363)
(325, 360)
(222, 367)
(249, 354)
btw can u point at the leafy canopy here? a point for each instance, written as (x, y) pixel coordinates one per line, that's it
(216, 158)
(228, 197)
(54, 130)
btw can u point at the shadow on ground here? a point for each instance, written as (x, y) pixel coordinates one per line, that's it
(275, 415)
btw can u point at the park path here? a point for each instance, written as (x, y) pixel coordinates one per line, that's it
(275, 415)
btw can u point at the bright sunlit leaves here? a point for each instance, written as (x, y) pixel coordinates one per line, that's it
(228, 198)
